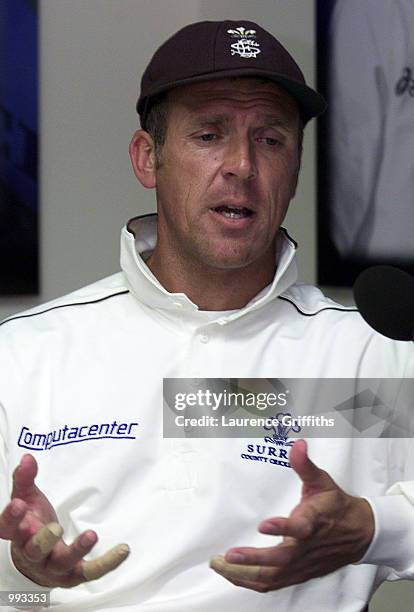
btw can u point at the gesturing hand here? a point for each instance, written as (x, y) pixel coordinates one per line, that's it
(325, 531)
(38, 551)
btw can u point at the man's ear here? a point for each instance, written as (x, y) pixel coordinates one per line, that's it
(142, 154)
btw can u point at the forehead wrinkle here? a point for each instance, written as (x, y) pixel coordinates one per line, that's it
(223, 119)
(222, 88)
(217, 103)
(277, 111)
(244, 99)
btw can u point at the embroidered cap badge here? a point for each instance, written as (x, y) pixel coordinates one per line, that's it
(245, 46)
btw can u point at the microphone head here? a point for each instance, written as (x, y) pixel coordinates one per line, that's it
(384, 296)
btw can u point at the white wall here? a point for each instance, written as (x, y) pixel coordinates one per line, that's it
(92, 55)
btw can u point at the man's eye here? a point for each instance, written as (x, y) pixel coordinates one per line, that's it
(208, 137)
(273, 142)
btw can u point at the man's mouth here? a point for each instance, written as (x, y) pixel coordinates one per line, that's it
(233, 212)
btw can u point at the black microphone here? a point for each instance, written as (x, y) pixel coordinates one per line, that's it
(384, 296)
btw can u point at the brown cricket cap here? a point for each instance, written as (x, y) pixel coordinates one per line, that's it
(218, 49)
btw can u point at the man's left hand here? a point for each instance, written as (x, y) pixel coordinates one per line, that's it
(325, 531)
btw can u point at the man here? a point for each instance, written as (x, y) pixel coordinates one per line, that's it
(207, 290)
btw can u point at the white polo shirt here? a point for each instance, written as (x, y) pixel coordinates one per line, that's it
(81, 388)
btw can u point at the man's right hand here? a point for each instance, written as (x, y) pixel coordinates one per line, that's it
(38, 551)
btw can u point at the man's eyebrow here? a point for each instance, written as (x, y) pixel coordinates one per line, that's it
(283, 122)
(201, 120)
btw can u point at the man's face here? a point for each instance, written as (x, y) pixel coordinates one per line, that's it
(228, 171)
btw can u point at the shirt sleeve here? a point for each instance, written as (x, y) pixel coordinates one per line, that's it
(393, 543)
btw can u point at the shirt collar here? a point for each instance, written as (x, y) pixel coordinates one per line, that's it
(138, 239)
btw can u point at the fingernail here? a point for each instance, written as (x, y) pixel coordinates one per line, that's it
(87, 539)
(234, 557)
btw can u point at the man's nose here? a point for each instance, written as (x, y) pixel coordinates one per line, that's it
(239, 159)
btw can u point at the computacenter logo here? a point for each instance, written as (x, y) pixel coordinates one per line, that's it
(70, 435)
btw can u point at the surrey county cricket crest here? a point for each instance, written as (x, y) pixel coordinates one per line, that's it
(245, 46)
(276, 447)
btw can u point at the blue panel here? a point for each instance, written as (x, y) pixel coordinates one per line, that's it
(18, 147)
